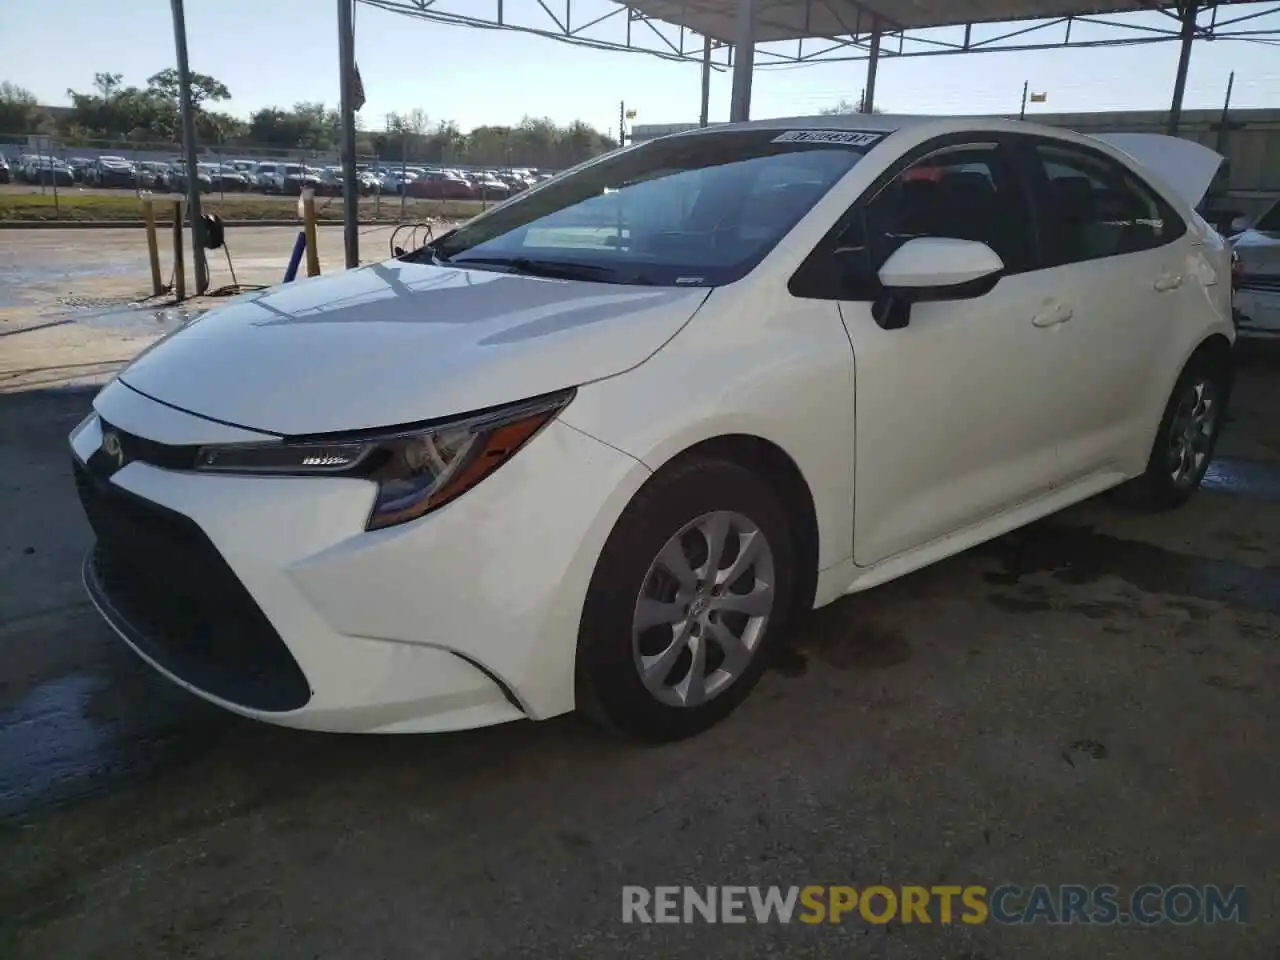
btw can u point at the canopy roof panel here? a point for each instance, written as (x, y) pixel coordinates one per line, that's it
(801, 19)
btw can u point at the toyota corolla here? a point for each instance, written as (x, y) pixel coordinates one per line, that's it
(593, 449)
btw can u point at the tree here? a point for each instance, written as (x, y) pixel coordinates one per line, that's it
(308, 126)
(843, 108)
(203, 87)
(151, 113)
(107, 84)
(19, 112)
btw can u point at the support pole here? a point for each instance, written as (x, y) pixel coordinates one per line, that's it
(189, 149)
(704, 117)
(309, 228)
(1026, 86)
(744, 59)
(179, 265)
(1221, 145)
(153, 244)
(873, 62)
(1188, 13)
(350, 184)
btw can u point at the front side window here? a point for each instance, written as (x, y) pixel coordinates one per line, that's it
(963, 192)
(698, 210)
(1093, 207)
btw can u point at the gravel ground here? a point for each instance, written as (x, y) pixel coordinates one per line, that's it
(1087, 701)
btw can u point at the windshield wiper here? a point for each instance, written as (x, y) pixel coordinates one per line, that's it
(425, 254)
(555, 269)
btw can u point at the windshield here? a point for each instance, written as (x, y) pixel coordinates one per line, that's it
(698, 210)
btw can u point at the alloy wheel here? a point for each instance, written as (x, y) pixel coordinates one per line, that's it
(1192, 432)
(703, 608)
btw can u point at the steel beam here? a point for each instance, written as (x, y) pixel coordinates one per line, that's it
(744, 60)
(873, 62)
(705, 115)
(1188, 13)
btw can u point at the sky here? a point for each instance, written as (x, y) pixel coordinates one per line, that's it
(278, 52)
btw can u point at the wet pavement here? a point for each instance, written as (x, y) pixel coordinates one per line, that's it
(1089, 700)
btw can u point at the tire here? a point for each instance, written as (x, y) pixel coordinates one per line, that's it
(694, 496)
(1182, 452)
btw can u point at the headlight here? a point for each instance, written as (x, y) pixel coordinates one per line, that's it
(416, 469)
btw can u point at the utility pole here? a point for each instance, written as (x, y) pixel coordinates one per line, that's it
(1226, 107)
(706, 82)
(350, 185)
(1026, 86)
(199, 263)
(622, 123)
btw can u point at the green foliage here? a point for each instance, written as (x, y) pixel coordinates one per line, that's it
(124, 113)
(19, 111)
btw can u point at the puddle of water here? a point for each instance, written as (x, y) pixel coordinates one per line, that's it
(134, 319)
(15, 278)
(82, 735)
(1246, 478)
(1079, 555)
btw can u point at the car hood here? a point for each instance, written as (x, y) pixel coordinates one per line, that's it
(1184, 165)
(396, 342)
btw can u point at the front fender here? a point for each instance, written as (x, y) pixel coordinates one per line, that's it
(750, 363)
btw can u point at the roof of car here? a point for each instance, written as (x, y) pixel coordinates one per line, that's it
(885, 123)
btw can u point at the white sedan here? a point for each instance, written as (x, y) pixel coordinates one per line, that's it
(1258, 274)
(594, 448)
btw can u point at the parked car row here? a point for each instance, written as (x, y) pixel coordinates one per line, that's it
(270, 177)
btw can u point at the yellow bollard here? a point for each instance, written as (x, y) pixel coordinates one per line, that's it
(153, 244)
(179, 266)
(307, 207)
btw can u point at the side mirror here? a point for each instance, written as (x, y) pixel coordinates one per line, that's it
(931, 269)
(1241, 224)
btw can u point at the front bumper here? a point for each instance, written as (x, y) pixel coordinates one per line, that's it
(1257, 304)
(267, 596)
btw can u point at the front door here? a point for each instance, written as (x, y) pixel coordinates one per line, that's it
(953, 425)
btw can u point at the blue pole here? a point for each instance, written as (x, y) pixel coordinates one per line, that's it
(295, 258)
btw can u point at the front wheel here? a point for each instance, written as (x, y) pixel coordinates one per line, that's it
(1187, 436)
(690, 592)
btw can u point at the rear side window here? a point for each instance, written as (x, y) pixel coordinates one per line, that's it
(1092, 207)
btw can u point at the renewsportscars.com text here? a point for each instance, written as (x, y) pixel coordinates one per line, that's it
(1007, 904)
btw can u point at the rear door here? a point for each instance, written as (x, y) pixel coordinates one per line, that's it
(1112, 248)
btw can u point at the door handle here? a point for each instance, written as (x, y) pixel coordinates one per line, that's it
(1168, 281)
(1052, 315)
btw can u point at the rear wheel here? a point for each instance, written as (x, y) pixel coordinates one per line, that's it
(1187, 436)
(691, 589)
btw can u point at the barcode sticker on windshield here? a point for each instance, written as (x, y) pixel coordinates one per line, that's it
(846, 138)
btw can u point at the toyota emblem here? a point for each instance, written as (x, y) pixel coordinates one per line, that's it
(112, 447)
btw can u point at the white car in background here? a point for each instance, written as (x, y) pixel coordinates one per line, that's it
(595, 448)
(1258, 274)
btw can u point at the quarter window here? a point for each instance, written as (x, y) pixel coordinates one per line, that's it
(1093, 207)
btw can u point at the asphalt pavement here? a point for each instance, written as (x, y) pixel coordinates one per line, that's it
(1088, 701)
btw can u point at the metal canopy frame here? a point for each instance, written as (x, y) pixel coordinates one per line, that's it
(742, 35)
(841, 30)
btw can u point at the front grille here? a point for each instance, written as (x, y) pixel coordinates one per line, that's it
(1260, 283)
(161, 581)
(168, 456)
